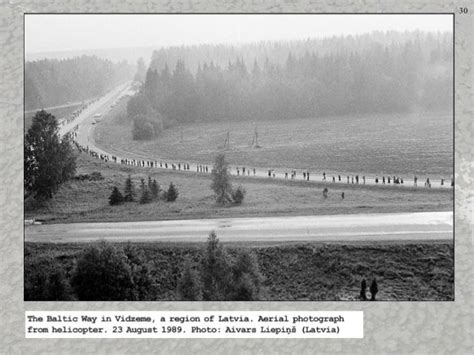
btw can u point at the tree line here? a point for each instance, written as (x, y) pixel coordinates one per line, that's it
(51, 82)
(378, 73)
(111, 272)
(148, 192)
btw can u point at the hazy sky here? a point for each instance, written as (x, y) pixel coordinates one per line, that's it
(78, 32)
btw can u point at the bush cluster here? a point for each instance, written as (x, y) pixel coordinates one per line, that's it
(104, 272)
(94, 176)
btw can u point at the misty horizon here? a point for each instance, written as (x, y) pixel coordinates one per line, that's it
(88, 32)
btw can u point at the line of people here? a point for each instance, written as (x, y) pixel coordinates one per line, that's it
(75, 114)
(243, 171)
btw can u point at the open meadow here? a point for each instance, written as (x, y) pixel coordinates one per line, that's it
(87, 201)
(387, 144)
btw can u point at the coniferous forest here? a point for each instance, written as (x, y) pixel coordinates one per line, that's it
(382, 72)
(51, 82)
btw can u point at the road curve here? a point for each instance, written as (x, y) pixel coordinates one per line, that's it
(335, 228)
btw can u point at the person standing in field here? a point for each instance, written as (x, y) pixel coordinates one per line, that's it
(324, 176)
(342, 195)
(307, 176)
(325, 192)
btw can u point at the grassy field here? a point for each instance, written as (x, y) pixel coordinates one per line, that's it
(397, 144)
(303, 272)
(81, 201)
(59, 113)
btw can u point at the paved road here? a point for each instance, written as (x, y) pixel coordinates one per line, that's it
(358, 227)
(101, 105)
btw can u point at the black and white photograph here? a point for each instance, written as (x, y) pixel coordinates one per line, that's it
(239, 157)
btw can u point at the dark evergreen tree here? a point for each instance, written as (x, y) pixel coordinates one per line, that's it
(116, 197)
(172, 193)
(129, 190)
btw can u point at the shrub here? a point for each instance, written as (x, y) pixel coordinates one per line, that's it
(96, 176)
(189, 285)
(238, 195)
(103, 273)
(172, 193)
(247, 279)
(45, 280)
(116, 197)
(144, 285)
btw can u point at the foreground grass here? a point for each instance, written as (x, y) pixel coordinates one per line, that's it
(310, 271)
(87, 201)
